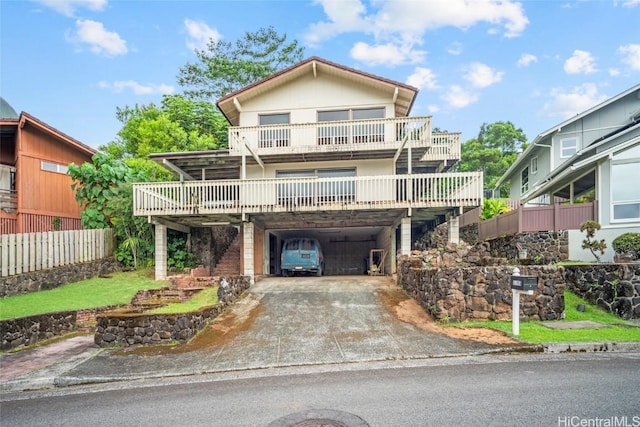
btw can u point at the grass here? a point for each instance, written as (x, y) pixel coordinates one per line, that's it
(206, 297)
(90, 293)
(618, 330)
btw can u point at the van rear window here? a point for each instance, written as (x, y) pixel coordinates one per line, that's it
(300, 244)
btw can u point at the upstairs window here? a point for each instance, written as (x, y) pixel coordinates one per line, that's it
(524, 180)
(278, 133)
(372, 131)
(534, 165)
(625, 196)
(568, 147)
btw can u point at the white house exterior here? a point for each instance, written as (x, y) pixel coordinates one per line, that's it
(318, 150)
(597, 151)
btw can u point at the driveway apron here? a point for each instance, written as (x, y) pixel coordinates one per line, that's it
(287, 322)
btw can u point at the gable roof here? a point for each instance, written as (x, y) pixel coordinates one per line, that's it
(403, 94)
(28, 118)
(540, 137)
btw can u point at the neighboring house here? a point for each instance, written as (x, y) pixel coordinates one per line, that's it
(35, 190)
(595, 153)
(317, 150)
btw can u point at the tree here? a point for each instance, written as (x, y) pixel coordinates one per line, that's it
(103, 188)
(492, 152)
(224, 66)
(589, 242)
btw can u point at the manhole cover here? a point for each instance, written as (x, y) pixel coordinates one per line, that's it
(320, 418)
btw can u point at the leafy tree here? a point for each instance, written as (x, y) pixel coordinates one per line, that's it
(492, 208)
(178, 124)
(492, 152)
(224, 66)
(594, 245)
(103, 188)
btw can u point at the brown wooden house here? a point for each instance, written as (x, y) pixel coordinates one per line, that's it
(35, 190)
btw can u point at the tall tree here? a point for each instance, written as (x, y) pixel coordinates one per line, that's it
(224, 66)
(492, 152)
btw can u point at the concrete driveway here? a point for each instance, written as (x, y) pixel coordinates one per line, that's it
(290, 321)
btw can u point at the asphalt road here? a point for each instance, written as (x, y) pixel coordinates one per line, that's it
(531, 390)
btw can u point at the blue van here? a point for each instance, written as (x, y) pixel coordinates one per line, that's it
(301, 254)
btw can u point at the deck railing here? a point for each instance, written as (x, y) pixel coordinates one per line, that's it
(362, 135)
(8, 200)
(307, 194)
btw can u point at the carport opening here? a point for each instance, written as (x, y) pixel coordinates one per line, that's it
(346, 250)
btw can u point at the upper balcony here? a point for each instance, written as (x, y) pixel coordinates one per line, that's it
(359, 139)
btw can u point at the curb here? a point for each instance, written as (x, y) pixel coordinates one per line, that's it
(592, 347)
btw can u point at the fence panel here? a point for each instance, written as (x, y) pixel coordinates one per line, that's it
(22, 253)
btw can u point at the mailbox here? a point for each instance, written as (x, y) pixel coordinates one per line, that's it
(524, 283)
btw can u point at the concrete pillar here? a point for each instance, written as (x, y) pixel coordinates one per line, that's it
(393, 250)
(405, 236)
(247, 248)
(161, 251)
(454, 230)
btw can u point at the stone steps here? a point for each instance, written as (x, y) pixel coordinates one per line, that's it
(229, 264)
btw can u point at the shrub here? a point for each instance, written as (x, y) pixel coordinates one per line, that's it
(627, 244)
(493, 207)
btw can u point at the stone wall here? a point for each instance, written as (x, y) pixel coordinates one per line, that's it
(29, 330)
(542, 247)
(479, 293)
(54, 277)
(614, 287)
(127, 329)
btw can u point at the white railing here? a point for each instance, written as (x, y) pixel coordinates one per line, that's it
(444, 146)
(23, 253)
(307, 194)
(331, 136)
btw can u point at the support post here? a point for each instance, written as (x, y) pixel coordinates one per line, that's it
(161, 251)
(247, 249)
(405, 236)
(454, 230)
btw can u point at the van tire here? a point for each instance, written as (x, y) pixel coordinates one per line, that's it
(319, 272)
(285, 273)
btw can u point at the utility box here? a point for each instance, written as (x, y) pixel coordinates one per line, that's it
(524, 283)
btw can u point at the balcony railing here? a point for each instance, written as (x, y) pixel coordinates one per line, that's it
(308, 194)
(374, 134)
(8, 201)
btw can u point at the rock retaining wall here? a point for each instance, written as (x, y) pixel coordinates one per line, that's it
(127, 329)
(25, 331)
(54, 277)
(479, 293)
(614, 287)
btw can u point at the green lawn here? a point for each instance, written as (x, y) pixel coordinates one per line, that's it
(535, 333)
(206, 297)
(96, 292)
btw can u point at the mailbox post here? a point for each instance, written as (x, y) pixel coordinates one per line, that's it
(520, 284)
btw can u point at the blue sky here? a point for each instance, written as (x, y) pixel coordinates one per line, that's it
(70, 63)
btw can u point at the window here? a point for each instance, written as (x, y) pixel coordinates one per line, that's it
(308, 192)
(524, 180)
(625, 198)
(534, 165)
(568, 147)
(275, 136)
(53, 167)
(357, 132)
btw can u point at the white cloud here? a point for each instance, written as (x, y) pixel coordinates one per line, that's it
(613, 72)
(567, 103)
(582, 62)
(526, 59)
(423, 78)
(137, 88)
(631, 55)
(458, 97)
(630, 3)
(481, 75)
(433, 108)
(68, 7)
(100, 40)
(455, 48)
(403, 22)
(389, 54)
(200, 34)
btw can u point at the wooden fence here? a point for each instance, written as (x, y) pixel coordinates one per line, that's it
(23, 253)
(525, 219)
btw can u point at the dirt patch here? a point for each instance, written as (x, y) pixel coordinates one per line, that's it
(407, 310)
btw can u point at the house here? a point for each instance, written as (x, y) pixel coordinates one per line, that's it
(316, 150)
(35, 190)
(594, 154)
